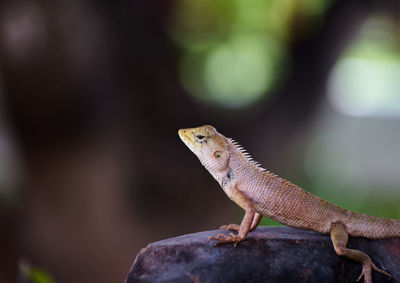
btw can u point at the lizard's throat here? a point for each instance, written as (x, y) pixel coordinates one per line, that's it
(213, 170)
(220, 175)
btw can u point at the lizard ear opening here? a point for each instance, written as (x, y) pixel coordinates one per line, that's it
(217, 154)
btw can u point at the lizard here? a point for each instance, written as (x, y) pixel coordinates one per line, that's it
(262, 193)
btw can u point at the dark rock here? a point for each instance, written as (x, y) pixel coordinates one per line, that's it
(269, 254)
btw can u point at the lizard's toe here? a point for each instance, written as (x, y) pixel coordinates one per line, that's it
(219, 237)
(367, 272)
(234, 227)
(381, 271)
(223, 239)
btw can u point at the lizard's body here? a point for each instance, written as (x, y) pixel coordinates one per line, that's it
(279, 199)
(260, 192)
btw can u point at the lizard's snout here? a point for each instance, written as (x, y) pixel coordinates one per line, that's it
(183, 135)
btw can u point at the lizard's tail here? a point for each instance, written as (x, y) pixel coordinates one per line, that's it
(362, 225)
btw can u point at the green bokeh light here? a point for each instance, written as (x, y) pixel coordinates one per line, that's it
(234, 51)
(366, 87)
(366, 80)
(240, 72)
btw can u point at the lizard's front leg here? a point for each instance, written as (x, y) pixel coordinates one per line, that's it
(339, 238)
(236, 227)
(238, 197)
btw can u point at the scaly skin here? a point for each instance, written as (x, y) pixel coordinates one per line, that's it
(260, 192)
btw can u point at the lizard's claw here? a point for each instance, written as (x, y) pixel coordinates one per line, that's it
(223, 239)
(233, 227)
(367, 272)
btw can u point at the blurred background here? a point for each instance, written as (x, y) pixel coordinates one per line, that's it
(92, 94)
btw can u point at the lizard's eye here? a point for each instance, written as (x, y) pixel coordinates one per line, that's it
(200, 137)
(217, 154)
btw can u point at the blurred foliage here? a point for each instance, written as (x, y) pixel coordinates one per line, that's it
(236, 52)
(40, 276)
(366, 79)
(34, 274)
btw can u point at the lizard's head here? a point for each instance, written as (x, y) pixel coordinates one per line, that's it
(209, 146)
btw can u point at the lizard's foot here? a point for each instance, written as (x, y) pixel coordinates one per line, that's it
(223, 239)
(367, 271)
(233, 227)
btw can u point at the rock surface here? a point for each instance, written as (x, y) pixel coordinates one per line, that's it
(269, 254)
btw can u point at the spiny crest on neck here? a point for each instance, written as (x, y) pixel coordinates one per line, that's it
(246, 155)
